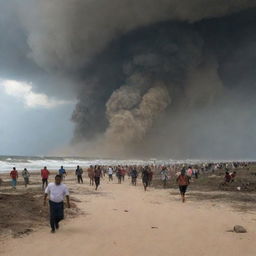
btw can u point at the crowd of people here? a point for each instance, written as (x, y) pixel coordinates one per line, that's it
(164, 172)
(182, 174)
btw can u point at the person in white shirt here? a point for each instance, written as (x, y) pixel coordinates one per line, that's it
(56, 192)
(110, 173)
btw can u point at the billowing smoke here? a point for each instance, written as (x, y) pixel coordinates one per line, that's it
(172, 78)
(131, 114)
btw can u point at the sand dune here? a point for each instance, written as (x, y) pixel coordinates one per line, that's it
(121, 220)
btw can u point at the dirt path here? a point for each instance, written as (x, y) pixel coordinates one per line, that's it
(121, 220)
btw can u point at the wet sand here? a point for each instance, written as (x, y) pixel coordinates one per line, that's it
(122, 220)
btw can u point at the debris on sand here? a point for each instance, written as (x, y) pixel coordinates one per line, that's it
(239, 229)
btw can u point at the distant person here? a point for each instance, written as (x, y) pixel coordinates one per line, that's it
(233, 176)
(190, 172)
(110, 173)
(145, 177)
(123, 172)
(14, 176)
(45, 175)
(90, 172)
(227, 177)
(150, 176)
(97, 176)
(183, 182)
(164, 176)
(134, 175)
(56, 192)
(62, 172)
(79, 174)
(26, 175)
(196, 172)
(119, 175)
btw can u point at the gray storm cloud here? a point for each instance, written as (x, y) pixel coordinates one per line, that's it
(67, 34)
(172, 78)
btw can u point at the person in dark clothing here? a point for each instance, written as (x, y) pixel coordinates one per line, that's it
(79, 174)
(97, 176)
(119, 174)
(227, 178)
(145, 177)
(134, 175)
(150, 178)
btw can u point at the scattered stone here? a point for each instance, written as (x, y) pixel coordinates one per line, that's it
(154, 227)
(126, 211)
(239, 229)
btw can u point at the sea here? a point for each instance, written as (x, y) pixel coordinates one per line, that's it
(36, 163)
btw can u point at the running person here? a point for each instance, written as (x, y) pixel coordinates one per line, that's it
(164, 176)
(56, 192)
(97, 176)
(183, 182)
(119, 174)
(45, 175)
(145, 177)
(134, 175)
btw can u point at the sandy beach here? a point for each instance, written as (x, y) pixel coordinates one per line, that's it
(125, 220)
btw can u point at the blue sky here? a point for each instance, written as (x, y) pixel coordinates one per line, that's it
(32, 123)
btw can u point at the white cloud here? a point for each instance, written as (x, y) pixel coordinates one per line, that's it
(24, 92)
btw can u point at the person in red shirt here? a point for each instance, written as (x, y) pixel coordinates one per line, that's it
(45, 175)
(183, 182)
(14, 175)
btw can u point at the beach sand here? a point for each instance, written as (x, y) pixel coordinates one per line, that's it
(122, 220)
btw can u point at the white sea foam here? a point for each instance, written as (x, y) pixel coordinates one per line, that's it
(37, 163)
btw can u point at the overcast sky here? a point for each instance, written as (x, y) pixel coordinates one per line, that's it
(32, 123)
(166, 79)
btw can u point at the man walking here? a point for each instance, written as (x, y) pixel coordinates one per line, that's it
(45, 175)
(97, 176)
(145, 177)
(26, 175)
(110, 173)
(134, 175)
(56, 192)
(79, 173)
(164, 176)
(62, 172)
(14, 175)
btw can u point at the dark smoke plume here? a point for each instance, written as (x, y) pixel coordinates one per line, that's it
(172, 78)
